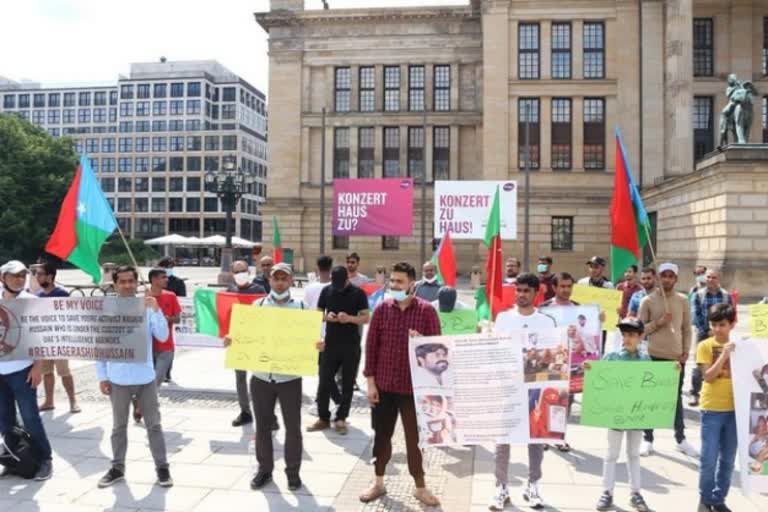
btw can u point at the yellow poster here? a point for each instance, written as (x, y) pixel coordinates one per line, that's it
(276, 340)
(758, 320)
(608, 299)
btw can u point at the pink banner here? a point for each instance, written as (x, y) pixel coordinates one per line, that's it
(380, 207)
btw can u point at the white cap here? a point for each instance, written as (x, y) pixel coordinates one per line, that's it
(13, 267)
(669, 266)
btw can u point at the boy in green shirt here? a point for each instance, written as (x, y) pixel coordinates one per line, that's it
(718, 419)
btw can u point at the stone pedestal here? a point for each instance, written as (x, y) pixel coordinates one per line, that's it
(718, 216)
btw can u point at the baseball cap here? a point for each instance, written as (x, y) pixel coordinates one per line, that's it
(596, 260)
(631, 325)
(13, 267)
(669, 266)
(281, 267)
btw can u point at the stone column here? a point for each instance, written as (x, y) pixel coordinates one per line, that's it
(653, 90)
(678, 87)
(496, 74)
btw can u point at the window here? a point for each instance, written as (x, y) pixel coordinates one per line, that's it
(703, 47)
(91, 145)
(176, 125)
(228, 111)
(108, 184)
(594, 49)
(141, 204)
(341, 242)
(594, 133)
(193, 204)
(194, 163)
(765, 46)
(126, 126)
(442, 88)
(160, 91)
(107, 165)
(84, 115)
(703, 133)
(391, 152)
(142, 144)
(342, 87)
(528, 51)
(561, 50)
(142, 108)
(176, 143)
(365, 162)
(193, 125)
(141, 185)
(441, 153)
(390, 243)
(126, 109)
(176, 184)
(211, 204)
(765, 119)
(9, 101)
(142, 91)
(38, 100)
(193, 184)
(211, 142)
(124, 185)
(126, 144)
(176, 163)
(126, 92)
(38, 116)
(416, 153)
(367, 89)
(211, 163)
(228, 94)
(159, 108)
(159, 144)
(528, 125)
(124, 205)
(24, 100)
(159, 164)
(391, 88)
(112, 115)
(158, 204)
(562, 233)
(69, 99)
(108, 145)
(416, 88)
(54, 116)
(141, 164)
(561, 133)
(193, 89)
(176, 204)
(158, 184)
(177, 107)
(54, 99)
(113, 97)
(100, 115)
(341, 153)
(125, 165)
(177, 90)
(193, 107)
(100, 98)
(84, 99)
(194, 143)
(229, 142)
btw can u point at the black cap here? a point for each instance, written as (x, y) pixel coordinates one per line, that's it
(631, 325)
(596, 260)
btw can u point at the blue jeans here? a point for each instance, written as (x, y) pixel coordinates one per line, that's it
(718, 455)
(14, 389)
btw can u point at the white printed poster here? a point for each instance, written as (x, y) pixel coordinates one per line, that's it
(462, 207)
(185, 332)
(491, 388)
(749, 364)
(585, 333)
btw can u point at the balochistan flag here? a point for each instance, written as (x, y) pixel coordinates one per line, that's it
(629, 220)
(493, 293)
(445, 261)
(213, 310)
(86, 220)
(277, 250)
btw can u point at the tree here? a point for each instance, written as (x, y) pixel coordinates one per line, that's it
(35, 172)
(114, 252)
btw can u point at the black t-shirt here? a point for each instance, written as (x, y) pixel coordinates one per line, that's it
(351, 300)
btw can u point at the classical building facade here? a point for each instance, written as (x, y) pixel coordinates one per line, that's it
(488, 75)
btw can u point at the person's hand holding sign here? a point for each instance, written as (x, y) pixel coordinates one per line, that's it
(151, 302)
(227, 340)
(105, 387)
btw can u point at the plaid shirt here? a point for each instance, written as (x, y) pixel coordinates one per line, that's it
(386, 348)
(627, 291)
(702, 301)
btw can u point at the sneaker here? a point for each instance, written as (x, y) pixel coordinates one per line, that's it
(687, 448)
(605, 502)
(164, 477)
(112, 476)
(532, 496)
(500, 499)
(703, 507)
(646, 448)
(318, 426)
(45, 470)
(637, 502)
(244, 418)
(260, 480)
(294, 483)
(5, 472)
(720, 508)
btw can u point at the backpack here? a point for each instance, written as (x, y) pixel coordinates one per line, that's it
(19, 453)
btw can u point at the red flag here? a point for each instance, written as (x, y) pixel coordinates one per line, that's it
(493, 271)
(224, 303)
(445, 261)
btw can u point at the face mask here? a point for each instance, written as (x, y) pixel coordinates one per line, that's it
(242, 278)
(541, 268)
(169, 272)
(398, 295)
(280, 296)
(430, 280)
(701, 279)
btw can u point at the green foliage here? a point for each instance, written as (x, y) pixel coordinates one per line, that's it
(113, 251)
(36, 170)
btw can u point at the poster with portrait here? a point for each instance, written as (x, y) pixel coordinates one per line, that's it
(585, 337)
(491, 388)
(749, 365)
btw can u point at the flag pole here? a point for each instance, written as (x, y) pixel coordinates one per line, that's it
(656, 264)
(130, 254)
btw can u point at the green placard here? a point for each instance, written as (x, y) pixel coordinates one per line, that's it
(630, 394)
(458, 321)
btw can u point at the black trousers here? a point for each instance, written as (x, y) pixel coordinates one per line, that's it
(335, 393)
(679, 425)
(265, 395)
(337, 355)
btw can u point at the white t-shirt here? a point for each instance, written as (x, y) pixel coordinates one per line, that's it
(8, 367)
(511, 319)
(312, 293)
(606, 283)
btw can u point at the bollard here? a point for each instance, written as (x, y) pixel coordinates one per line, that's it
(475, 277)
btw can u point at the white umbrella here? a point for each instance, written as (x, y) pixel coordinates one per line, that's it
(220, 241)
(173, 239)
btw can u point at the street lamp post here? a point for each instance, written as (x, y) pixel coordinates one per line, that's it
(229, 185)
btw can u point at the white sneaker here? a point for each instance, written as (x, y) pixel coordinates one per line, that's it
(532, 496)
(646, 448)
(500, 499)
(688, 449)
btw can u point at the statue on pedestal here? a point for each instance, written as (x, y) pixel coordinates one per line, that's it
(736, 117)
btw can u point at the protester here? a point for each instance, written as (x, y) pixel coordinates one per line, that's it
(262, 279)
(244, 285)
(523, 316)
(123, 380)
(447, 300)
(19, 379)
(647, 285)
(387, 368)
(345, 309)
(511, 270)
(719, 440)
(563, 284)
(268, 388)
(628, 287)
(632, 335)
(700, 275)
(46, 280)
(175, 284)
(702, 302)
(546, 277)
(355, 277)
(163, 350)
(667, 318)
(595, 277)
(428, 287)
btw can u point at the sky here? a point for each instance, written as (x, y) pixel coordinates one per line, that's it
(70, 42)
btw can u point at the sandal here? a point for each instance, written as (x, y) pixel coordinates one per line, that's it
(564, 447)
(44, 408)
(74, 409)
(426, 498)
(374, 492)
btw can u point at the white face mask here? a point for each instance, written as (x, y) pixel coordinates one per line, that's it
(280, 296)
(701, 279)
(242, 278)
(430, 280)
(398, 295)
